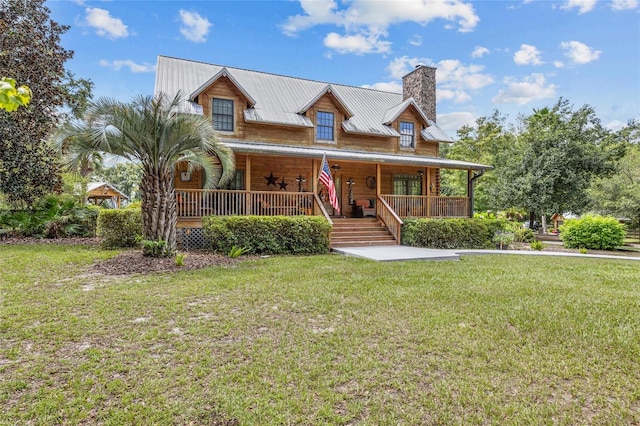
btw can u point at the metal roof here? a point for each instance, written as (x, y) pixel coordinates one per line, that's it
(278, 99)
(248, 147)
(435, 133)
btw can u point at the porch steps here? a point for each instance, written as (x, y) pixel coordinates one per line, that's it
(359, 233)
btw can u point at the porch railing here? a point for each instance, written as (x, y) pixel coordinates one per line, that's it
(428, 206)
(195, 203)
(390, 219)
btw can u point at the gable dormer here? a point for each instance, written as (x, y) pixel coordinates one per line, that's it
(223, 98)
(326, 109)
(408, 120)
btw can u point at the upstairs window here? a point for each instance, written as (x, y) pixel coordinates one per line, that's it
(223, 114)
(325, 126)
(407, 135)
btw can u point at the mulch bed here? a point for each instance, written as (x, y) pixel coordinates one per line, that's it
(133, 262)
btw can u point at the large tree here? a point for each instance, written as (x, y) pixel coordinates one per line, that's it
(31, 53)
(483, 143)
(619, 195)
(559, 153)
(152, 134)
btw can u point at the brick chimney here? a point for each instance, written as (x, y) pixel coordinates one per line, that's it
(420, 84)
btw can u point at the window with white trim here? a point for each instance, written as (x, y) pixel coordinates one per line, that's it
(325, 126)
(222, 113)
(407, 135)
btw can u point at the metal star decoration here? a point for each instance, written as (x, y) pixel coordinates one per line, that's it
(271, 179)
(283, 185)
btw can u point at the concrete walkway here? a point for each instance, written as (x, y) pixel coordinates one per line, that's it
(393, 253)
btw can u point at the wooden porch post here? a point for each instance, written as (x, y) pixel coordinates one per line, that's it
(313, 185)
(378, 180)
(428, 191)
(247, 178)
(470, 192)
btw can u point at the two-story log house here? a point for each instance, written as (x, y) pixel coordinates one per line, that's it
(382, 147)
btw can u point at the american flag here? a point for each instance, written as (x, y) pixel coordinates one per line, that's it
(327, 180)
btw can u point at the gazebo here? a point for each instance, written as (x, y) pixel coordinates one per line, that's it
(99, 192)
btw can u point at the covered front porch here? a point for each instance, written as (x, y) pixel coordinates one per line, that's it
(283, 180)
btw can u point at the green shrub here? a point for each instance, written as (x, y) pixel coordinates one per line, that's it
(536, 245)
(268, 234)
(451, 233)
(180, 257)
(119, 227)
(236, 251)
(592, 232)
(523, 235)
(151, 248)
(54, 216)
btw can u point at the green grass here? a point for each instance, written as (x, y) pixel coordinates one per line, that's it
(320, 340)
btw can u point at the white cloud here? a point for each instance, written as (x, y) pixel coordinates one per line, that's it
(365, 22)
(455, 80)
(416, 40)
(194, 27)
(531, 88)
(527, 55)
(624, 4)
(378, 14)
(558, 64)
(583, 6)
(453, 121)
(105, 24)
(357, 43)
(615, 125)
(579, 53)
(479, 52)
(134, 67)
(392, 86)
(456, 96)
(453, 74)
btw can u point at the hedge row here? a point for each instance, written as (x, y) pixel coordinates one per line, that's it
(120, 227)
(268, 234)
(451, 233)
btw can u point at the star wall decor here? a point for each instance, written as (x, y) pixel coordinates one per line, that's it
(271, 179)
(283, 185)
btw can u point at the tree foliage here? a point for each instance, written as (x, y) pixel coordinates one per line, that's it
(554, 160)
(619, 194)
(149, 132)
(12, 97)
(484, 143)
(31, 53)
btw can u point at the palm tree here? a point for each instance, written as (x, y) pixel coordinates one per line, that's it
(152, 133)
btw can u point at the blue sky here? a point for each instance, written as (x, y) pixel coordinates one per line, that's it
(512, 56)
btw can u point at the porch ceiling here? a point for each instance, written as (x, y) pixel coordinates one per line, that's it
(245, 147)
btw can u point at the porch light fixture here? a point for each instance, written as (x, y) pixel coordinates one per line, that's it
(421, 173)
(335, 168)
(432, 187)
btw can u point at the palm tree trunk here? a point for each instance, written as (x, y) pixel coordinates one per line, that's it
(159, 215)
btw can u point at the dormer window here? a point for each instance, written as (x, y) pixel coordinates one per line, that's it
(222, 113)
(407, 135)
(325, 126)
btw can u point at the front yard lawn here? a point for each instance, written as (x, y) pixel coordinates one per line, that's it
(319, 340)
